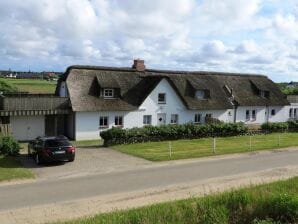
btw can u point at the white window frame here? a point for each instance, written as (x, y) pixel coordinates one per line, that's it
(273, 112)
(164, 101)
(103, 125)
(147, 119)
(247, 115)
(198, 118)
(108, 93)
(119, 122)
(174, 118)
(291, 113)
(200, 94)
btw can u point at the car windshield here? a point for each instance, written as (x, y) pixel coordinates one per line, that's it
(56, 143)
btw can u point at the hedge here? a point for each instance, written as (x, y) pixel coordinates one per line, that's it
(280, 126)
(116, 136)
(9, 146)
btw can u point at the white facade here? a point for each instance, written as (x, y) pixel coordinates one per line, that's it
(27, 127)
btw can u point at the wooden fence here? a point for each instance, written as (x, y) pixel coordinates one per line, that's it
(5, 129)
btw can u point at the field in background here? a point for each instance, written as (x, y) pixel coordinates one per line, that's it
(184, 149)
(32, 85)
(276, 203)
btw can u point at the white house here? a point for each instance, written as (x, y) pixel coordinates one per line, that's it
(103, 97)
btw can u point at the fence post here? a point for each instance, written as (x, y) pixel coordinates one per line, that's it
(214, 145)
(170, 149)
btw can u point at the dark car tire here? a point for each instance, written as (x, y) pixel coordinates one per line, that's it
(71, 159)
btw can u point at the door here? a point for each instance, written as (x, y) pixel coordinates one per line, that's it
(161, 119)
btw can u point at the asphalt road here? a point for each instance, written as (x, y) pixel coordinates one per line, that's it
(55, 191)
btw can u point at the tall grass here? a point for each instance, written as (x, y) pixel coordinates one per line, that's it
(269, 203)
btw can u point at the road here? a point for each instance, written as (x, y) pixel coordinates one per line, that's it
(159, 175)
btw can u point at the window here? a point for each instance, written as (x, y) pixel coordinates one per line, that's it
(118, 121)
(197, 118)
(230, 113)
(147, 119)
(103, 122)
(247, 115)
(174, 118)
(272, 112)
(253, 115)
(161, 98)
(264, 93)
(291, 112)
(208, 115)
(200, 94)
(108, 93)
(295, 113)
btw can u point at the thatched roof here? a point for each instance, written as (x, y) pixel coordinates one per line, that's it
(84, 84)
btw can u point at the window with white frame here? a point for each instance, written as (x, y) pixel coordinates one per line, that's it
(174, 118)
(108, 93)
(295, 113)
(272, 112)
(208, 116)
(162, 98)
(103, 122)
(147, 119)
(247, 115)
(118, 121)
(253, 115)
(291, 113)
(197, 118)
(200, 94)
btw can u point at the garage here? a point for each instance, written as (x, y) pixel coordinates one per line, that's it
(27, 127)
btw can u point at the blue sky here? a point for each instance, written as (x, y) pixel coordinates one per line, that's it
(256, 36)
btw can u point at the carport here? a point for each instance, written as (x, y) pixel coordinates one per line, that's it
(32, 115)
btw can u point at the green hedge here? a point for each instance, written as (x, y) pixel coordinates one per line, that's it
(116, 136)
(280, 126)
(9, 146)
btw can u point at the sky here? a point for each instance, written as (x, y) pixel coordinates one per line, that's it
(255, 36)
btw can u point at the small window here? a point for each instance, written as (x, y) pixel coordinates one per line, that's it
(174, 118)
(230, 113)
(295, 113)
(103, 122)
(291, 113)
(264, 94)
(200, 94)
(198, 118)
(118, 121)
(272, 112)
(247, 115)
(208, 115)
(108, 93)
(253, 115)
(161, 98)
(147, 119)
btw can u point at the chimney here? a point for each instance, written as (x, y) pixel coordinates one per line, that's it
(139, 65)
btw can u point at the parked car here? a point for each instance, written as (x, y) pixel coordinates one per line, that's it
(50, 149)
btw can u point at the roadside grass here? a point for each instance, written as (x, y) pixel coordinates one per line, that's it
(32, 85)
(87, 143)
(10, 169)
(194, 148)
(268, 203)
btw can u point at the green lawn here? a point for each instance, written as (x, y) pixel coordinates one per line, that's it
(87, 143)
(276, 203)
(10, 169)
(32, 85)
(183, 149)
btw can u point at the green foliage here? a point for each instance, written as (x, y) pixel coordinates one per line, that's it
(9, 146)
(275, 126)
(116, 136)
(5, 87)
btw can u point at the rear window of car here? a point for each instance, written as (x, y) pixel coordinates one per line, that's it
(56, 143)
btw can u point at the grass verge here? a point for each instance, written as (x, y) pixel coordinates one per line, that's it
(87, 143)
(184, 149)
(10, 169)
(32, 85)
(269, 203)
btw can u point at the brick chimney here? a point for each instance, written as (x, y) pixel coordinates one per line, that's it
(139, 65)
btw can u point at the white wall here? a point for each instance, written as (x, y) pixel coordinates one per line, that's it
(63, 92)
(27, 127)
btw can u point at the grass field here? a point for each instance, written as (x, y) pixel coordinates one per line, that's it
(87, 143)
(32, 85)
(270, 203)
(183, 149)
(10, 169)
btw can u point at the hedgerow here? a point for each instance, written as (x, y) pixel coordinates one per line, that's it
(116, 136)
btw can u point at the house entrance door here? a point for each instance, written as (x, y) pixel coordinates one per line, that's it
(161, 119)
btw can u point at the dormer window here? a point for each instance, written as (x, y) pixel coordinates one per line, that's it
(202, 94)
(264, 93)
(108, 93)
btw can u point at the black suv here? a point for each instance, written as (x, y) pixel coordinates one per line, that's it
(50, 149)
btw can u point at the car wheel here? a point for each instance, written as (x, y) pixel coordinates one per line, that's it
(71, 159)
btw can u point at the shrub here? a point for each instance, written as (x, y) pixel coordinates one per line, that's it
(275, 126)
(9, 146)
(115, 136)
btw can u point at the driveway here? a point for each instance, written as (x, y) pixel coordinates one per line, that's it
(88, 161)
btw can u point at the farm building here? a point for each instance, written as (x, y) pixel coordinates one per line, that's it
(91, 99)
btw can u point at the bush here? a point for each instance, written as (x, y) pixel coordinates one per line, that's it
(116, 136)
(275, 126)
(9, 146)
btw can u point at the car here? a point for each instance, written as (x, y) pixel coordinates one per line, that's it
(51, 149)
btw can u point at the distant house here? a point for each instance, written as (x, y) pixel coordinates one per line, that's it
(12, 75)
(292, 85)
(105, 97)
